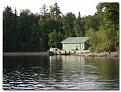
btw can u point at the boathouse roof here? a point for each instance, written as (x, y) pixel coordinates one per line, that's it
(75, 40)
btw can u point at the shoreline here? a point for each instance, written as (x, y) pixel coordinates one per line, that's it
(94, 54)
(101, 54)
(25, 54)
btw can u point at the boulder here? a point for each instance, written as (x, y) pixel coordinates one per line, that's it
(113, 54)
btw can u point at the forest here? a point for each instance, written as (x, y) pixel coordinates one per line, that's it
(28, 32)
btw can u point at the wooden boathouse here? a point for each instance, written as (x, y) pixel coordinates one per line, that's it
(75, 43)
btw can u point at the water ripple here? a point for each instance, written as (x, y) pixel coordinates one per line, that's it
(65, 73)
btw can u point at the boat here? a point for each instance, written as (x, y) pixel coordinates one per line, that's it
(56, 51)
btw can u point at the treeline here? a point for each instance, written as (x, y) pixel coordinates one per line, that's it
(38, 32)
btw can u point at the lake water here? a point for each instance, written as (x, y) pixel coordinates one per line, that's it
(60, 73)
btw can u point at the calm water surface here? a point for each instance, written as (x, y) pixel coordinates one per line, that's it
(60, 73)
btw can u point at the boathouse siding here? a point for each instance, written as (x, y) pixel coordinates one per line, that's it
(72, 43)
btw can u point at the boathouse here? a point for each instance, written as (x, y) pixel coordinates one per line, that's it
(75, 43)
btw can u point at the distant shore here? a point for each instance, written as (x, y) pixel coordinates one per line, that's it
(94, 54)
(24, 53)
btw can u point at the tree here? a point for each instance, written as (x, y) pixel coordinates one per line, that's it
(27, 27)
(43, 23)
(68, 26)
(53, 38)
(106, 38)
(54, 11)
(9, 29)
(35, 38)
(78, 27)
(92, 38)
(92, 22)
(111, 23)
(44, 10)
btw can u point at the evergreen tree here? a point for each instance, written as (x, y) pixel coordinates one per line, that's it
(9, 29)
(78, 27)
(55, 11)
(68, 26)
(44, 10)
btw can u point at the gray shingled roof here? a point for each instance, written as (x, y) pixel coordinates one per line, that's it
(75, 40)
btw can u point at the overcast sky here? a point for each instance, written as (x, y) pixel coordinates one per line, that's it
(86, 7)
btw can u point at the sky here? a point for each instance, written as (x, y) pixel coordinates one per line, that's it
(85, 7)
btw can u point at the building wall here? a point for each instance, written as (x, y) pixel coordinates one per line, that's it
(67, 47)
(86, 46)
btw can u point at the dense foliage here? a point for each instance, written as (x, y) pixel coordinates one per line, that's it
(40, 31)
(106, 37)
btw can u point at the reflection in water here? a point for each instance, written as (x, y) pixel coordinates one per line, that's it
(85, 72)
(60, 72)
(55, 68)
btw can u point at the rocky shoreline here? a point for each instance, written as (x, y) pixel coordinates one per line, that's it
(101, 54)
(88, 54)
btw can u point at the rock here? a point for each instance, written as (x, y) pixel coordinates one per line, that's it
(95, 54)
(113, 54)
